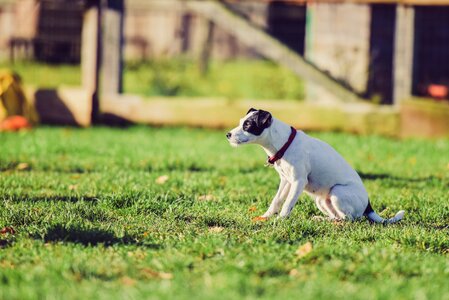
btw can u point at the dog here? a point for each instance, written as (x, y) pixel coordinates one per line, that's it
(306, 164)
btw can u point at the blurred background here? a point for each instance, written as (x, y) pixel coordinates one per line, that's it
(360, 66)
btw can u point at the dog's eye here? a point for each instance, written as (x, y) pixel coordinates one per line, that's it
(246, 125)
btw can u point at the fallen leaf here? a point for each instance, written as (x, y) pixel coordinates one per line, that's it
(259, 219)
(162, 179)
(22, 166)
(412, 160)
(77, 276)
(7, 229)
(6, 265)
(207, 197)
(222, 180)
(252, 208)
(216, 229)
(293, 272)
(128, 281)
(145, 234)
(73, 187)
(138, 254)
(166, 276)
(154, 274)
(304, 250)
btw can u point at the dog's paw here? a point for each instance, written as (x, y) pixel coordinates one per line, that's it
(260, 219)
(268, 214)
(283, 216)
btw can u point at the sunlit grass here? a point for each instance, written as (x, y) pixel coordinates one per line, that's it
(94, 220)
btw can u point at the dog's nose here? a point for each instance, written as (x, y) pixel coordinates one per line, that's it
(228, 135)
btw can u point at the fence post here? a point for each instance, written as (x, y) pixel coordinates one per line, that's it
(206, 48)
(90, 53)
(112, 54)
(403, 53)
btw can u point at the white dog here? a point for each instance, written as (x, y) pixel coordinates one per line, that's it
(306, 163)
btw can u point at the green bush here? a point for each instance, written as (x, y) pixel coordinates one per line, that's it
(239, 79)
(231, 79)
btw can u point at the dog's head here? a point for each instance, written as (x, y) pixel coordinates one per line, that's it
(251, 128)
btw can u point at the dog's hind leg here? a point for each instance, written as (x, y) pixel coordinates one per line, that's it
(326, 208)
(349, 201)
(334, 204)
(319, 204)
(284, 188)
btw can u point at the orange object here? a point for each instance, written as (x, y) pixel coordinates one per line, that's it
(14, 123)
(7, 229)
(438, 91)
(252, 208)
(258, 219)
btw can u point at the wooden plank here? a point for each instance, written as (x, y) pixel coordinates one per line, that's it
(267, 46)
(302, 2)
(156, 5)
(361, 118)
(405, 2)
(403, 53)
(167, 4)
(424, 118)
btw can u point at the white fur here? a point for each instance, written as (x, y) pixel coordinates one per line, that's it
(312, 166)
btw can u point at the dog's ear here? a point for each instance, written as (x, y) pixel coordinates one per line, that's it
(264, 119)
(251, 110)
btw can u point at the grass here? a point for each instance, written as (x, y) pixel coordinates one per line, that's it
(92, 222)
(243, 79)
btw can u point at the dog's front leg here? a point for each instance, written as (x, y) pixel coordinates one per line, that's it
(284, 187)
(296, 189)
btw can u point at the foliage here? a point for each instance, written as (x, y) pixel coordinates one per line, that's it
(45, 75)
(181, 77)
(166, 213)
(231, 79)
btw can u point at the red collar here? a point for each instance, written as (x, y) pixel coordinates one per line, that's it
(271, 160)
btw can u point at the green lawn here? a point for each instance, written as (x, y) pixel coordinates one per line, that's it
(94, 219)
(241, 79)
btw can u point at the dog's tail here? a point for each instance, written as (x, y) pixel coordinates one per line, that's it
(374, 217)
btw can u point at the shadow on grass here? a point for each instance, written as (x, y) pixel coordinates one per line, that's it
(91, 237)
(405, 180)
(53, 198)
(115, 120)
(219, 221)
(182, 166)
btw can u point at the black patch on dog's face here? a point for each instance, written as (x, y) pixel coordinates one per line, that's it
(251, 110)
(257, 122)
